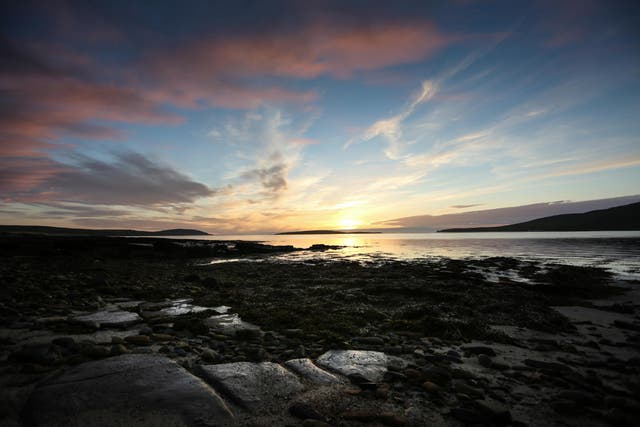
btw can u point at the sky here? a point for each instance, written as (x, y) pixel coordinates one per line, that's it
(266, 116)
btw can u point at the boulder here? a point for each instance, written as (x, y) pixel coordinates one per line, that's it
(257, 387)
(370, 364)
(309, 371)
(140, 390)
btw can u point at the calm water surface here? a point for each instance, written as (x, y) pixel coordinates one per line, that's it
(618, 251)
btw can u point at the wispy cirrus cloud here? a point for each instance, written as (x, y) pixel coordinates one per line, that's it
(267, 143)
(390, 128)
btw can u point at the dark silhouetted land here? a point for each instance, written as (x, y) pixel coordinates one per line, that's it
(62, 231)
(620, 218)
(328, 232)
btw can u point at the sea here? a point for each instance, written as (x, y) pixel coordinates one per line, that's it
(616, 251)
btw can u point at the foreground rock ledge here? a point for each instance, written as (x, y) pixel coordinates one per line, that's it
(138, 390)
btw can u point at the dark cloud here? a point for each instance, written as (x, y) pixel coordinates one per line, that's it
(65, 211)
(273, 178)
(504, 216)
(131, 179)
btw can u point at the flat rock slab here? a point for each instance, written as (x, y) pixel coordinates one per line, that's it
(140, 390)
(309, 371)
(256, 387)
(370, 364)
(171, 309)
(593, 315)
(118, 319)
(229, 324)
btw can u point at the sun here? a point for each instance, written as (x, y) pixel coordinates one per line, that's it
(348, 223)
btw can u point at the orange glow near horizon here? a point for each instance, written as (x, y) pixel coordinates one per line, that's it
(347, 223)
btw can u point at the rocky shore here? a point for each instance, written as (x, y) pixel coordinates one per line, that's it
(115, 331)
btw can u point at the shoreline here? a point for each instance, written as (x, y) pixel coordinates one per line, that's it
(537, 351)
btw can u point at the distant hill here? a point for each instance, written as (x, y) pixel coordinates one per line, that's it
(61, 231)
(328, 232)
(620, 218)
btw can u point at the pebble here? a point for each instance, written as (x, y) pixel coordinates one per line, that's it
(578, 396)
(66, 342)
(466, 415)
(211, 356)
(369, 340)
(293, 333)
(565, 406)
(464, 388)
(548, 366)
(496, 412)
(485, 361)
(96, 351)
(118, 349)
(43, 354)
(437, 375)
(386, 418)
(162, 337)
(382, 391)
(431, 387)
(304, 412)
(314, 423)
(138, 339)
(477, 349)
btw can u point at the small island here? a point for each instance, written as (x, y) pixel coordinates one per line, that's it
(327, 232)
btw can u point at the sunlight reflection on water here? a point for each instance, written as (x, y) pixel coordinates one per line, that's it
(617, 251)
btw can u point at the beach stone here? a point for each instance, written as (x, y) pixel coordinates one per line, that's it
(138, 339)
(229, 324)
(253, 386)
(43, 354)
(547, 366)
(304, 412)
(478, 349)
(210, 356)
(462, 388)
(293, 333)
(469, 416)
(312, 373)
(485, 360)
(368, 340)
(65, 342)
(135, 390)
(362, 381)
(430, 387)
(162, 337)
(95, 351)
(173, 308)
(370, 364)
(107, 319)
(437, 375)
(578, 396)
(315, 423)
(496, 412)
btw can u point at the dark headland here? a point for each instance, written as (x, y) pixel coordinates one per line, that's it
(63, 231)
(620, 218)
(328, 232)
